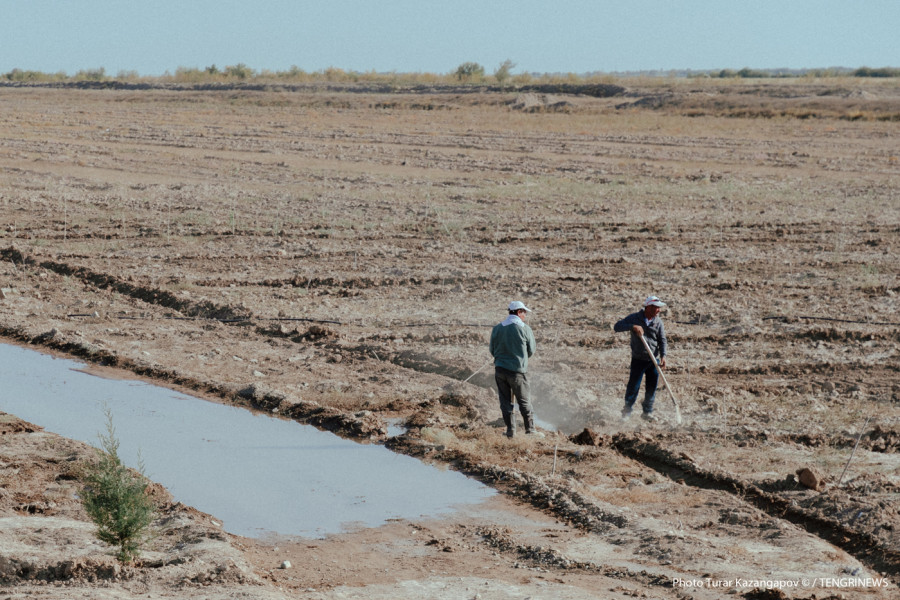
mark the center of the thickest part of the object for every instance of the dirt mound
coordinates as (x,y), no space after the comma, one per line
(532,102)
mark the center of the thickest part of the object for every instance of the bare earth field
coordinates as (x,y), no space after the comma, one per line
(338,257)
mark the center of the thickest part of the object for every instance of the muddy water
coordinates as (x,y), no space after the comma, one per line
(258,474)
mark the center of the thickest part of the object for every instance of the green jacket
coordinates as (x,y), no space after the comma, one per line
(512,343)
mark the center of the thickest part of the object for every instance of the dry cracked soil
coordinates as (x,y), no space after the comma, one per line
(337,256)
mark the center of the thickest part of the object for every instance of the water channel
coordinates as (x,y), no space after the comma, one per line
(258,474)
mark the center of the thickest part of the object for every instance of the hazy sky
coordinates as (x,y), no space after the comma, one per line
(545,36)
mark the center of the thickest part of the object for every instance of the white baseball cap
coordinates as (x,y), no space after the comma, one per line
(516,305)
(654,301)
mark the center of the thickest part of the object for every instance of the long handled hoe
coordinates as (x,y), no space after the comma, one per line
(665,381)
(477,371)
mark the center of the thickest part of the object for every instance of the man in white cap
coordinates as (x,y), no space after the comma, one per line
(512,344)
(644,323)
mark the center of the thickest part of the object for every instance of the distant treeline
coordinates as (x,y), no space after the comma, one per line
(834,72)
(468,72)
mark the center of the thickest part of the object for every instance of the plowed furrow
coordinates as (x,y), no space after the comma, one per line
(862,545)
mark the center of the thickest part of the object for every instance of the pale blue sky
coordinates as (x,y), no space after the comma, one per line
(543,36)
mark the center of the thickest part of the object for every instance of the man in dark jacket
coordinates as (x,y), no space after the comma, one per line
(644,323)
(512,344)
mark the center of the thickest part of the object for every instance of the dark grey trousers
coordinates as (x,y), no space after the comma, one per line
(509,384)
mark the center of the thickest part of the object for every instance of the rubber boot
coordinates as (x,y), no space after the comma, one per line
(529,427)
(510,421)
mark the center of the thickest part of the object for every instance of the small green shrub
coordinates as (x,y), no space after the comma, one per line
(91,75)
(504,72)
(469,71)
(192,75)
(116,498)
(20,75)
(748,73)
(238,71)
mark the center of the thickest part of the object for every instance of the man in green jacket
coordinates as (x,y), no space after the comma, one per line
(512,344)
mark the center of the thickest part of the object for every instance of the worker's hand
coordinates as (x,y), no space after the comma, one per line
(662,362)
(637,330)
